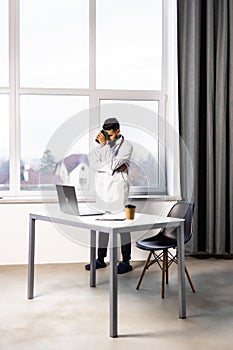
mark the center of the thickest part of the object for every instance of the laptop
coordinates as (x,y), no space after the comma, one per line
(69,204)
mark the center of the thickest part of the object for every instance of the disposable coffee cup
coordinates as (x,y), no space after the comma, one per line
(130,211)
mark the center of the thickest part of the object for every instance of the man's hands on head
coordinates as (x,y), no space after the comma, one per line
(101,138)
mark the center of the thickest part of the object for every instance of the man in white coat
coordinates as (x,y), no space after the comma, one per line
(112,160)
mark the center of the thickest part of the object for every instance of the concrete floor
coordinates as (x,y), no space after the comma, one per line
(67,314)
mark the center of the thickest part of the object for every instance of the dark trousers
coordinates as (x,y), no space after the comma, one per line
(125,245)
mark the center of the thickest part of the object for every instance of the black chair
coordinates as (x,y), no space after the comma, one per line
(164,240)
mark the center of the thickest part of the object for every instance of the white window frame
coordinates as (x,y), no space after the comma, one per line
(95,95)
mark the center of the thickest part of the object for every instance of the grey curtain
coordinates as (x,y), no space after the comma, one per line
(205,83)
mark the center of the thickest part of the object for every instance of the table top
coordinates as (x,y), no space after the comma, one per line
(141,221)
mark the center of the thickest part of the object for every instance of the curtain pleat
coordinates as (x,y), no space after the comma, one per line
(209,129)
(221,122)
(205,75)
(230,104)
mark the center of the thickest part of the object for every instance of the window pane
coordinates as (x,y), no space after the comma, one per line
(4,142)
(41,116)
(129,44)
(54,43)
(139,125)
(4,46)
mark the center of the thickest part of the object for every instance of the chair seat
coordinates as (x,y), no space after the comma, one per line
(155,243)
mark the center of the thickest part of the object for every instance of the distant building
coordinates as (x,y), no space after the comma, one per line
(74,170)
(5,171)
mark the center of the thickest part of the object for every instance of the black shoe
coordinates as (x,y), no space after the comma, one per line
(124,267)
(99,265)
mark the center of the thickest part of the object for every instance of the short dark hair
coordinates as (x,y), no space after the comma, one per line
(111,124)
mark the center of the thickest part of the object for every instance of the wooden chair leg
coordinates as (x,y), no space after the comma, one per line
(144,270)
(166,266)
(189,279)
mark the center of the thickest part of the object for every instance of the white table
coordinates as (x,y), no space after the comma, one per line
(140,223)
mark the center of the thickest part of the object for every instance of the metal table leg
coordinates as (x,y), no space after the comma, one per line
(113,285)
(31,256)
(181,271)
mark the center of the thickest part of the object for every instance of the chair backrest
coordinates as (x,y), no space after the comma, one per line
(182,210)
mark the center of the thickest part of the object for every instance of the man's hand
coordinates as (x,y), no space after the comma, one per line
(121,168)
(101,138)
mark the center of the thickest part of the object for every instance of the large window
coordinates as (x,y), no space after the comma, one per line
(40,116)
(4,43)
(4,142)
(140,124)
(129,44)
(86,58)
(54,43)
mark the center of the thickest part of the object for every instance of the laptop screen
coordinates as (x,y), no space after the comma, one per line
(67,199)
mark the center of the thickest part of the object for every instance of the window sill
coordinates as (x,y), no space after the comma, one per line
(155,197)
(38,200)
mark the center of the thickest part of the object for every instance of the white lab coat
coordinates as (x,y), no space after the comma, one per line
(111,187)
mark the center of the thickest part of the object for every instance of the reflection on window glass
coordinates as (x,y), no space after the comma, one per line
(4,44)
(139,125)
(41,116)
(129,44)
(54,43)
(4,143)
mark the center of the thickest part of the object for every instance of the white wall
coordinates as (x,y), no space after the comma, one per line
(51,245)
